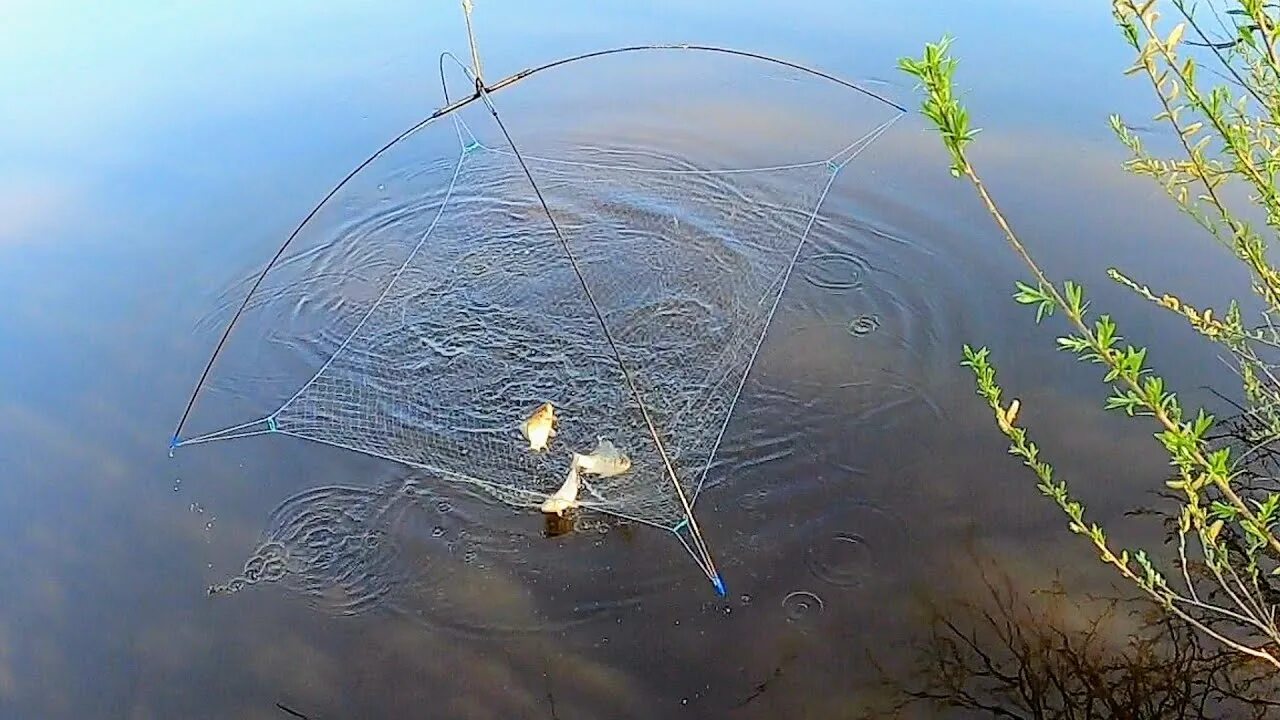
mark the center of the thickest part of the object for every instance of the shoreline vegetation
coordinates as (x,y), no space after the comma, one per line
(1215,70)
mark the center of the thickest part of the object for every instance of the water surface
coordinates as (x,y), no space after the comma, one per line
(155,159)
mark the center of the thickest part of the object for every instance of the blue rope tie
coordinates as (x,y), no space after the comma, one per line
(717,582)
(271,423)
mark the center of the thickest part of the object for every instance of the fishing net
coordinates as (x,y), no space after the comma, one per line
(622,265)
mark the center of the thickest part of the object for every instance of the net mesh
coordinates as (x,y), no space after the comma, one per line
(461,312)
(483,326)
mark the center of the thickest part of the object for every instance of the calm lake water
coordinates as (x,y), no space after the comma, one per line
(154,159)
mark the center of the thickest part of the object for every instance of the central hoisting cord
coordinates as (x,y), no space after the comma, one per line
(709,568)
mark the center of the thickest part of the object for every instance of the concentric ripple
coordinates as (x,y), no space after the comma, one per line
(802,607)
(871,543)
(837,270)
(488,319)
(332,545)
(447,562)
(864,325)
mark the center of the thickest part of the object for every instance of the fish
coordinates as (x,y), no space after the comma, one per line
(540,427)
(606,460)
(567,496)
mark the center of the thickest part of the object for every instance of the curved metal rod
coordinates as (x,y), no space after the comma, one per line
(451,107)
(703,48)
(204,375)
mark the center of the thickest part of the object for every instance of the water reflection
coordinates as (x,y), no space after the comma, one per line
(401,547)
(1011,651)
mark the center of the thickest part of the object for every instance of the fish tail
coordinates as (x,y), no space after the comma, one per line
(573,482)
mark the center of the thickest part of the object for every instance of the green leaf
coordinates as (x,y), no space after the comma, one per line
(1124,400)
(1075,296)
(1028,295)
(1202,424)
(1074,343)
(1219,509)
(1105,331)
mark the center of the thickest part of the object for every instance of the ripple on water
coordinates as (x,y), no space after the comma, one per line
(487,320)
(449,563)
(753,500)
(332,546)
(802,607)
(874,538)
(496,573)
(826,383)
(837,270)
(474,312)
(864,325)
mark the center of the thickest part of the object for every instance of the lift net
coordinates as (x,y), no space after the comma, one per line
(459,310)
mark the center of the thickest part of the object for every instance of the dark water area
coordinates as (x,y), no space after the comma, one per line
(154,159)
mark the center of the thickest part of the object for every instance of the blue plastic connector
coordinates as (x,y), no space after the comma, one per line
(173,443)
(271,423)
(718,581)
(471,146)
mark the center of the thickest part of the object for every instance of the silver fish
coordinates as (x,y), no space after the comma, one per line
(566,497)
(605,461)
